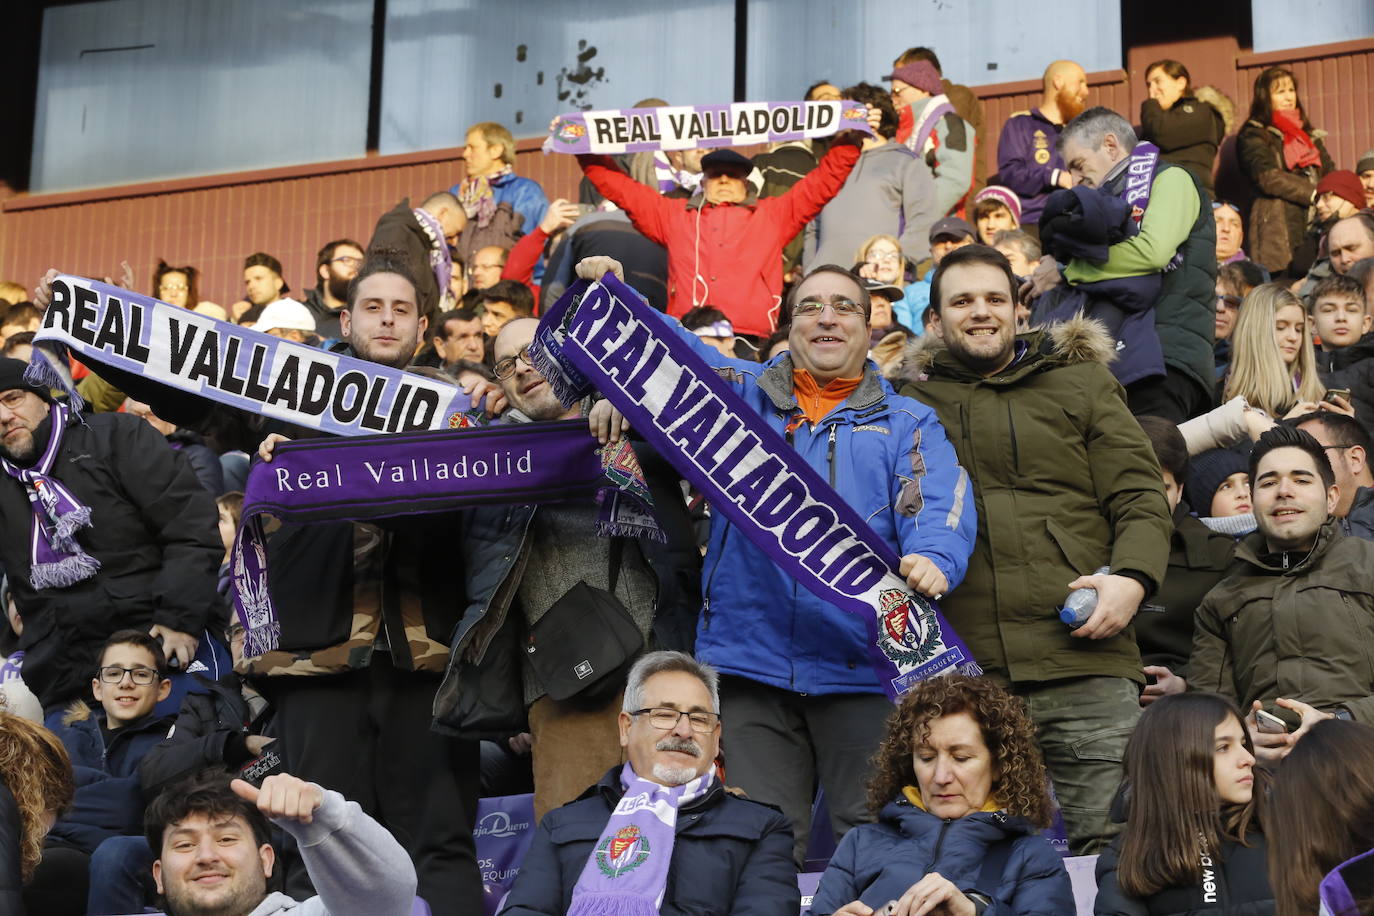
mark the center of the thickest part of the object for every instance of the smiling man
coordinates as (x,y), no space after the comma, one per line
(660,833)
(1065,483)
(802,701)
(1294,616)
(215,857)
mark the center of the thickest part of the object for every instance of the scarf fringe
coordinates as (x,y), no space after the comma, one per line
(607,904)
(568,386)
(67,525)
(261,640)
(43,372)
(65,572)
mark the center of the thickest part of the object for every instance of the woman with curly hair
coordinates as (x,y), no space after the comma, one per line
(959,790)
(1193,841)
(35,788)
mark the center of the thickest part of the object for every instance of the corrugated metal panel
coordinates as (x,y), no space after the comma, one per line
(1280,24)
(130,90)
(991,40)
(1337,93)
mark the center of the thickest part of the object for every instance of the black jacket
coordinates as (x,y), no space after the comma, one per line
(209,732)
(1352,367)
(326,318)
(11,839)
(154,531)
(399,229)
(1198,557)
(730,856)
(1188,134)
(1360,520)
(1240,886)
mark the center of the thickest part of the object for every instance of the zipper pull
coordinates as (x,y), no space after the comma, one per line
(706,613)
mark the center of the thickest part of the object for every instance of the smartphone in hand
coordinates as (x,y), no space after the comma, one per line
(1270,724)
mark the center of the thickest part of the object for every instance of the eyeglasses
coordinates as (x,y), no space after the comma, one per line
(1337,447)
(1231,302)
(173,287)
(664,719)
(505,368)
(811,308)
(890,257)
(11,399)
(347,259)
(113,674)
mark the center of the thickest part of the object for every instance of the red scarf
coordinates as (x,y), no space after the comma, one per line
(1298,149)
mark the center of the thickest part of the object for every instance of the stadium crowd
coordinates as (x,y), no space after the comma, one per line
(1044,364)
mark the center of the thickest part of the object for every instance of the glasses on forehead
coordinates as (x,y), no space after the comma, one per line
(810,308)
(113,674)
(505,368)
(665,719)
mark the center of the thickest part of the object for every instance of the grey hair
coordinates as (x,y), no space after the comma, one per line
(1089,129)
(1020,240)
(658,662)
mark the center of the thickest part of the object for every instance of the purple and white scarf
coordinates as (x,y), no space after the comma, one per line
(440,261)
(56,560)
(1140,178)
(627,872)
(937,107)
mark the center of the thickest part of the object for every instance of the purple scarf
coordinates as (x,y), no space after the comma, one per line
(602,335)
(937,107)
(440,261)
(56,559)
(627,872)
(1140,179)
(375,477)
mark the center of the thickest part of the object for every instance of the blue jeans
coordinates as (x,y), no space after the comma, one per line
(121,877)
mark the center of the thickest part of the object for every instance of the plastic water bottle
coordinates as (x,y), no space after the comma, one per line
(1081,603)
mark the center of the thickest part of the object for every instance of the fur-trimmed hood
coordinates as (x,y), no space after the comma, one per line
(1066,343)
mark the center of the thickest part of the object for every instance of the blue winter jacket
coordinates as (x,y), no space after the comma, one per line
(879,862)
(888,457)
(109,799)
(524,195)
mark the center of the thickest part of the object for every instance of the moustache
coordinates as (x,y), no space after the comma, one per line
(682,745)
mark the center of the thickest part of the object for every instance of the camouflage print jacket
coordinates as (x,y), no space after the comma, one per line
(342,589)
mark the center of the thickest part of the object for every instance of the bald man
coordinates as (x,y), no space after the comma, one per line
(1027,161)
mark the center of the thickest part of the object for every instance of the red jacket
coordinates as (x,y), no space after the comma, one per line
(725,255)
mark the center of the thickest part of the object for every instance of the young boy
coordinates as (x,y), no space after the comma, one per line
(106,745)
(1218,490)
(1341,320)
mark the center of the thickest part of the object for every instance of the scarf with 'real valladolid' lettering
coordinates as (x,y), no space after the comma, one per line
(602,336)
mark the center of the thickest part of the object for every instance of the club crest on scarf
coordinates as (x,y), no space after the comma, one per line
(909,634)
(625,851)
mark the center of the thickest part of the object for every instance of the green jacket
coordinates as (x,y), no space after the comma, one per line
(1065,482)
(1289,625)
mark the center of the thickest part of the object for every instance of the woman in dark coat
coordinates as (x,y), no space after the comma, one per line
(959,792)
(1284,158)
(1186,129)
(1193,842)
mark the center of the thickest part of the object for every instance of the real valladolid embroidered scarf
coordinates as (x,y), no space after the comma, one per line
(602,336)
(375,477)
(56,559)
(627,872)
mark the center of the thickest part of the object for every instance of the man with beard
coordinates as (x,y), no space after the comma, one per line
(1293,618)
(215,856)
(1027,160)
(144,551)
(523,560)
(660,833)
(366,614)
(336,264)
(1065,484)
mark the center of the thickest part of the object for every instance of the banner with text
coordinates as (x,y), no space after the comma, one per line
(332,392)
(602,336)
(633,130)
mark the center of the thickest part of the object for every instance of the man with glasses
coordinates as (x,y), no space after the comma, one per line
(336,264)
(661,833)
(522,560)
(802,702)
(934,131)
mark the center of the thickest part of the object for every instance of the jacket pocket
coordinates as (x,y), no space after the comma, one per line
(1107,745)
(1082,557)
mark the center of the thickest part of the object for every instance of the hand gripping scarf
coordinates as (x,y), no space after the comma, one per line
(603,336)
(627,872)
(56,559)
